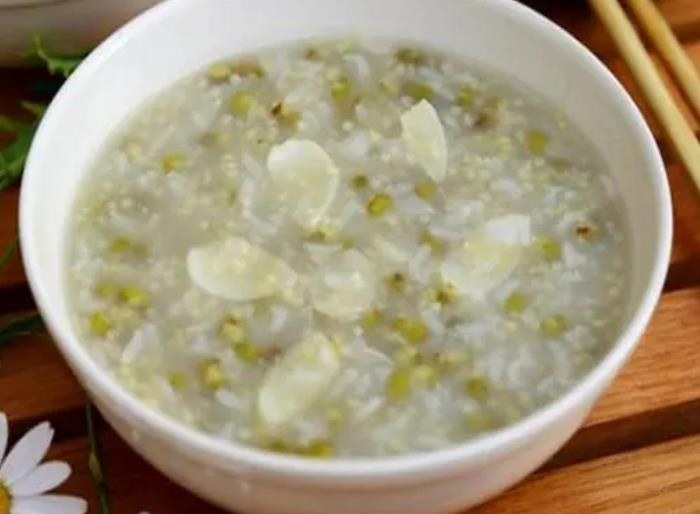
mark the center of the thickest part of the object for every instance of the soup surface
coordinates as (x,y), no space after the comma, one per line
(343,248)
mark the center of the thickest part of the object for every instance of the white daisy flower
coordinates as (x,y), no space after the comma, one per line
(23,480)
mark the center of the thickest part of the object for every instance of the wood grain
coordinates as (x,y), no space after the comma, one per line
(659,479)
(13,274)
(35,381)
(134,486)
(665,369)
(624,75)
(686,213)
(680,134)
(669,48)
(638,452)
(574,15)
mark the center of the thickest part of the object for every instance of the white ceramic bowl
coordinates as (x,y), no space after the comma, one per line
(178,37)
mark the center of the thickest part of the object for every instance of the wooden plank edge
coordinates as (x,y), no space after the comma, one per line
(628,434)
(661,478)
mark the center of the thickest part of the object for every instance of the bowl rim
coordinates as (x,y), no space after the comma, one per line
(225,453)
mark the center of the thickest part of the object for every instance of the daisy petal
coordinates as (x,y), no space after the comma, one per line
(49,504)
(3,434)
(44,478)
(27,453)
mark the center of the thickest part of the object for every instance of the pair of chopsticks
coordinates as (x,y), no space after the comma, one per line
(647,76)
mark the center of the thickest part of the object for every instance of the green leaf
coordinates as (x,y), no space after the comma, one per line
(36,108)
(14,155)
(55,63)
(94,465)
(10,125)
(47,87)
(18,326)
(7,254)
(15,126)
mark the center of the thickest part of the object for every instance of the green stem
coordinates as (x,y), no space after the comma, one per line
(18,326)
(94,462)
(7,254)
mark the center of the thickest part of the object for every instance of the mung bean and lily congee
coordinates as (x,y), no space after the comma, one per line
(345,249)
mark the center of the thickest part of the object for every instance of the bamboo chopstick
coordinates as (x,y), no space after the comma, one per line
(670,49)
(632,49)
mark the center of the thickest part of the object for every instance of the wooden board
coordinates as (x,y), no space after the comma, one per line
(638,452)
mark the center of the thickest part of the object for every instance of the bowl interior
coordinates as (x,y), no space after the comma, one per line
(181,36)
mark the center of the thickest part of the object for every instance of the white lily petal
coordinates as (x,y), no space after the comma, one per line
(345,286)
(303,178)
(238,270)
(43,478)
(480,265)
(4,433)
(297,380)
(49,504)
(27,453)
(424,136)
(512,229)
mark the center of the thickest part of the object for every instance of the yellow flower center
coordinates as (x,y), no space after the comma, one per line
(5,499)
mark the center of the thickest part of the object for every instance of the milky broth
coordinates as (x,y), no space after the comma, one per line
(340,248)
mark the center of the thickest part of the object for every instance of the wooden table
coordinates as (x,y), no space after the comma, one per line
(639,451)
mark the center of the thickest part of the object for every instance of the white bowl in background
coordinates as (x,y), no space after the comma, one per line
(180,36)
(68,26)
